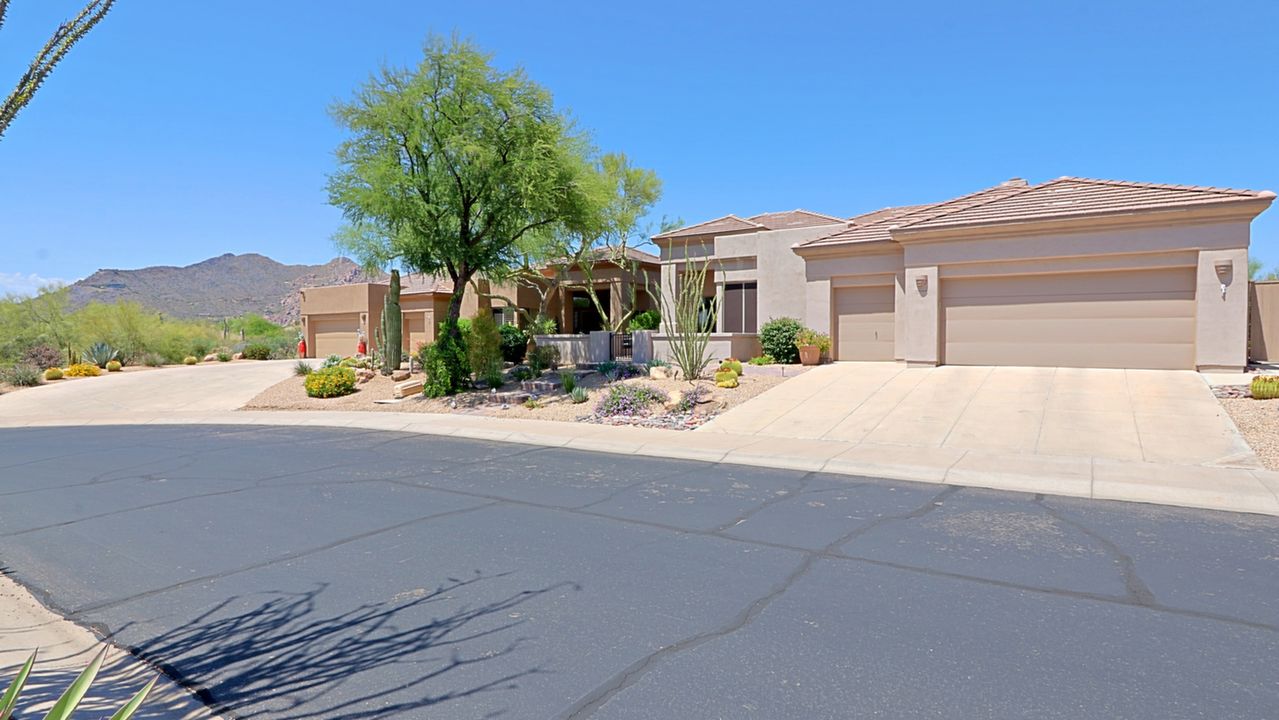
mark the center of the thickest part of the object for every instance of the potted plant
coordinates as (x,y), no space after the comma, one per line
(812,346)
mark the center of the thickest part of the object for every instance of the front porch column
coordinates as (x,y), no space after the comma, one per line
(666,298)
(719,304)
(923,294)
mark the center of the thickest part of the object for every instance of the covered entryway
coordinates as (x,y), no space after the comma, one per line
(1121,319)
(864,323)
(335,334)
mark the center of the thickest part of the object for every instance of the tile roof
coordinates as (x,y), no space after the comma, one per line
(421,283)
(1015,201)
(718,226)
(1073,196)
(788,219)
(873,226)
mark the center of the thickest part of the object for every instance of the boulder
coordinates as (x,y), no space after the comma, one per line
(674,398)
(658,372)
(211,357)
(407,388)
(238,356)
(400,375)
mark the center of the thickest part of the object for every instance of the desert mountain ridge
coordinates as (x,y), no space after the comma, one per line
(224,286)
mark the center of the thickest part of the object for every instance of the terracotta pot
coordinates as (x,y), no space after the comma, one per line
(809,354)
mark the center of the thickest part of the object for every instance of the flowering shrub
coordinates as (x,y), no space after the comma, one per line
(694,395)
(330,382)
(83,370)
(42,356)
(629,400)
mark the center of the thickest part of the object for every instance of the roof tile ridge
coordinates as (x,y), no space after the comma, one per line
(1164,186)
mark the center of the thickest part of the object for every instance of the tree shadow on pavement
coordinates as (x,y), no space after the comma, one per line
(283,658)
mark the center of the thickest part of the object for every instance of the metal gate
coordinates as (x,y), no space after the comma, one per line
(621,347)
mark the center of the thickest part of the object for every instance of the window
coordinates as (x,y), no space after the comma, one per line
(740,314)
(504,315)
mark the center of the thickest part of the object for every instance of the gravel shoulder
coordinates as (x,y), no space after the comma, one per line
(1258,420)
(291,395)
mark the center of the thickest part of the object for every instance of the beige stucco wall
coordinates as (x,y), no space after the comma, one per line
(1165,242)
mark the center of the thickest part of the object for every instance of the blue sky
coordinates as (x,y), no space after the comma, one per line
(181,130)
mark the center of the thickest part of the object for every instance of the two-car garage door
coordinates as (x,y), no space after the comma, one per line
(1126,319)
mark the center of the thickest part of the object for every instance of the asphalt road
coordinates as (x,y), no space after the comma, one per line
(322,573)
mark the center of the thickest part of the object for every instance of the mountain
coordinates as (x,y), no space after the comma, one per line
(224,286)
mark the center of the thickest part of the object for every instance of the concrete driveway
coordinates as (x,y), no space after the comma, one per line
(1154,416)
(207,388)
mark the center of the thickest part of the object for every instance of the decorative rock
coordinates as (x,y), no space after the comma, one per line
(238,356)
(407,388)
(400,375)
(211,357)
(674,398)
(657,372)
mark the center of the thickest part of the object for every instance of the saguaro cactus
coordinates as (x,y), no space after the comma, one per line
(392,327)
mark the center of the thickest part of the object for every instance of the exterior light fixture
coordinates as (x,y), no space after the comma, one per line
(1224,269)
(921,282)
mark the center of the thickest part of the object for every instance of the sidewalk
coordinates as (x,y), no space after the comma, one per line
(1216,488)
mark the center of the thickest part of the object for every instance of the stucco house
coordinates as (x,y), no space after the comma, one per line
(335,316)
(1072,272)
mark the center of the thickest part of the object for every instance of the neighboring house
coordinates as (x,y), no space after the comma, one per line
(1072,272)
(335,317)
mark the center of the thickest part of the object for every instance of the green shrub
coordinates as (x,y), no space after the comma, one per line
(764,359)
(224,357)
(256,351)
(100,354)
(731,364)
(521,373)
(42,356)
(446,367)
(53,373)
(812,337)
(21,375)
(629,400)
(201,347)
(113,366)
(514,343)
(1265,387)
(484,345)
(579,395)
(568,380)
(777,337)
(153,360)
(331,361)
(302,368)
(189,360)
(83,370)
(330,382)
(532,404)
(542,358)
(647,320)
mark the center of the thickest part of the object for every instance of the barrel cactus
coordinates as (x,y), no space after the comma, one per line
(1265,387)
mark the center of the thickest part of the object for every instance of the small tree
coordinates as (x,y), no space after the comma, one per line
(690,333)
(64,38)
(484,348)
(449,167)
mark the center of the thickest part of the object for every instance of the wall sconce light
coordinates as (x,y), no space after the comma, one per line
(921,282)
(1224,270)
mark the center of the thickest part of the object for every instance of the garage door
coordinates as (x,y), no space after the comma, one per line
(335,334)
(864,323)
(1130,319)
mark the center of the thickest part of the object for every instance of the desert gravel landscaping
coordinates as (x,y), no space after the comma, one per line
(1258,420)
(290,395)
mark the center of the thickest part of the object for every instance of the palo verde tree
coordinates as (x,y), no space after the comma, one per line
(447,167)
(64,38)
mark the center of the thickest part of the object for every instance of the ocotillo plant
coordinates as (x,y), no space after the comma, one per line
(392,327)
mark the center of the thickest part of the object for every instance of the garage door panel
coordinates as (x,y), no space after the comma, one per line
(864,323)
(1135,319)
(335,334)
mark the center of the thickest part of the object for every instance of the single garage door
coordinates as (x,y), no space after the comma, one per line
(864,323)
(335,334)
(1129,319)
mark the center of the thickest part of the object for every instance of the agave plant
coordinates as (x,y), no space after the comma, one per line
(100,354)
(72,696)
